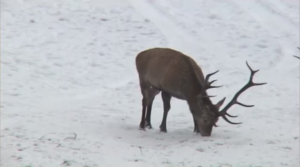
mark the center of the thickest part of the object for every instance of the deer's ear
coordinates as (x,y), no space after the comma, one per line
(219,104)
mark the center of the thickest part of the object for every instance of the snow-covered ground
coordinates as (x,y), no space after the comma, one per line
(70,94)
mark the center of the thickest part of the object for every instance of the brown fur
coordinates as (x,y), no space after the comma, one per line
(176,75)
(158,66)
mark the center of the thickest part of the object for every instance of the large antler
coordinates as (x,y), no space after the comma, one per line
(234,100)
(208,86)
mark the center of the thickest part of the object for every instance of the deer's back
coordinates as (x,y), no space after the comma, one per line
(169,70)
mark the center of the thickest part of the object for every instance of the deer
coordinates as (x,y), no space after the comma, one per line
(177,75)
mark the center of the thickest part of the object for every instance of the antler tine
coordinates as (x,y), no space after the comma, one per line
(250,82)
(232,116)
(234,100)
(227,120)
(206,96)
(209,83)
(296,57)
(209,75)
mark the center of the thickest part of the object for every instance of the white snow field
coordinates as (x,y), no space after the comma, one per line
(70,93)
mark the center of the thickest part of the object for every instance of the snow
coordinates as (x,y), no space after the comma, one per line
(70,94)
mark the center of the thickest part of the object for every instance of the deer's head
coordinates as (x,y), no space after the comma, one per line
(208,114)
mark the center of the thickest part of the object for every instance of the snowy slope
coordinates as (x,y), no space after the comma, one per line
(70,93)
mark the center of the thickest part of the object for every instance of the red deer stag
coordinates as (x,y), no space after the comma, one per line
(177,75)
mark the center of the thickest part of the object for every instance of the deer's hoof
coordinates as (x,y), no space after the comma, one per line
(196,131)
(142,128)
(163,130)
(149,126)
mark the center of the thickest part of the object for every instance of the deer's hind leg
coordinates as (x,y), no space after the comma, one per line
(149,94)
(166,97)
